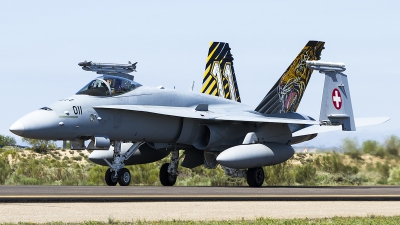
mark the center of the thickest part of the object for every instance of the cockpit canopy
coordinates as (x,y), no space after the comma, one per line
(108,86)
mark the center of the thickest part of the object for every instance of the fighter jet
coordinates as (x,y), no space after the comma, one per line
(126,123)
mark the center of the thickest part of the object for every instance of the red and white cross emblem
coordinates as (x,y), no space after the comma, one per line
(336,99)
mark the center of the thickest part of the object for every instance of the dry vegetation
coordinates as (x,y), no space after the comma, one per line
(369,164)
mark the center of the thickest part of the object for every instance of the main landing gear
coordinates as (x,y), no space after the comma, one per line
(117,173)
(255,177)
(169,171)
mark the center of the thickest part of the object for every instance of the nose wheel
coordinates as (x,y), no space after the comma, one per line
(124,177)
(117,173)
(111,179)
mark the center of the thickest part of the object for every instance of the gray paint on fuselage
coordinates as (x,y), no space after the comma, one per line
(125,125)
(153,127)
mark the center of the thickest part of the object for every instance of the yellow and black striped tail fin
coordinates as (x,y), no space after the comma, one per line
(219,78)
(286,94)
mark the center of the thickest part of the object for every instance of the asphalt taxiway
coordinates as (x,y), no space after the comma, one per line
(157,193)
(41,204)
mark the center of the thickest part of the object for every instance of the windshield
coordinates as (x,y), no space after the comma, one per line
(108,86)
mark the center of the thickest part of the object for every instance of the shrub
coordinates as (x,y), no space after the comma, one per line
(7,140)
(392,145)
(370,147)
(280,174)
(77,158)
(373,148)
(383,170)
(5,169)
(305,174)
(380,152)
(350,147)
(354,154)
(96,175)
(395,176)
(40,146)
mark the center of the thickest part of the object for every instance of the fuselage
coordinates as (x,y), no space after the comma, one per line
(76,117)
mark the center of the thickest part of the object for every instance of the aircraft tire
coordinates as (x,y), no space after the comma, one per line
(124,177)
(166,178)
(110,181)
(255,177)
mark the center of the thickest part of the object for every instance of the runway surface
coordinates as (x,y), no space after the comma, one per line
(216,210)
(40,204)
(157,194)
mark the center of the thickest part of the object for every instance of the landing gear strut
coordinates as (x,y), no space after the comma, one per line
(117,173)
(169,171)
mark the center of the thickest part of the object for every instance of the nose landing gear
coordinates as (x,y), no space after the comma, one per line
(111,178)
(117,173)
(124,177)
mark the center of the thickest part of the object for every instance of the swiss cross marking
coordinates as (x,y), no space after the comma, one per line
(336,99)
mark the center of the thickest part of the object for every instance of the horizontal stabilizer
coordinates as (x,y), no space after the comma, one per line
(359,122)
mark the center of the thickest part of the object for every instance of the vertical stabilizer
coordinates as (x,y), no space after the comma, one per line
(336,107)
(219,78)
(286,94)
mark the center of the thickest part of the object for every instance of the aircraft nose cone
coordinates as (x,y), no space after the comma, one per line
(17,128)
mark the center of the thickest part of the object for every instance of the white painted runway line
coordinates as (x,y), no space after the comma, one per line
(79,212)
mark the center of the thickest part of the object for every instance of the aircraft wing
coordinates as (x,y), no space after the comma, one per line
(189,112)
(359,122)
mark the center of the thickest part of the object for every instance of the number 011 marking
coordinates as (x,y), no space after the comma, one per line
(77,110)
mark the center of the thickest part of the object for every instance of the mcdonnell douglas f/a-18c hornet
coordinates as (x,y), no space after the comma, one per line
(127,123)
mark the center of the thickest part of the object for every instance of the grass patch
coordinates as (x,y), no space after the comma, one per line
(381,220)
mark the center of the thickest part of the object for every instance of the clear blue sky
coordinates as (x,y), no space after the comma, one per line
(42,42)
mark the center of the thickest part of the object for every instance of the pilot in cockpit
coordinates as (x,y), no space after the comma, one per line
(109,81)
(115,85)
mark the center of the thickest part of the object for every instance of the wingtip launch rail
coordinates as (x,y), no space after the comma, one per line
(121,70)
(326,66)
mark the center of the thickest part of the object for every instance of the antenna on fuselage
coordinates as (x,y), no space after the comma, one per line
(115,69)
(192,86)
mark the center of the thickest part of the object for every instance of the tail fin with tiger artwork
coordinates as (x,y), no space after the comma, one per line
(286,94)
